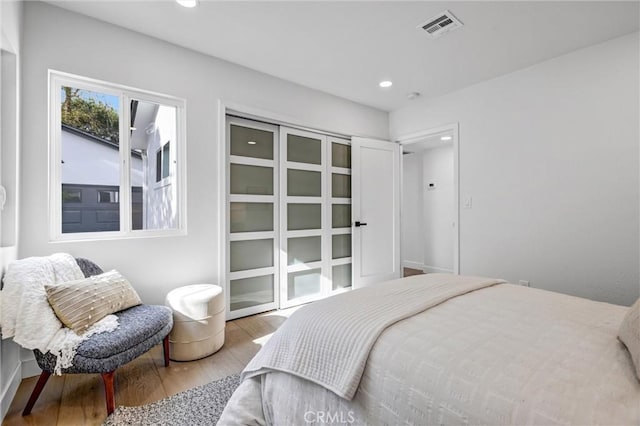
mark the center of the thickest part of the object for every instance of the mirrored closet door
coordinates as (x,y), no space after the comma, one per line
(289,210)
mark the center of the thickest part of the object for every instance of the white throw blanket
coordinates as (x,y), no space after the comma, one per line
(25,313)
(328,342)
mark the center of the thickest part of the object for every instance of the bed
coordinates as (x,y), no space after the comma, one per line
(486,352)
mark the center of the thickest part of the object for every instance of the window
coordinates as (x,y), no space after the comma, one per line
(163,162)
(108,196)
(105,181)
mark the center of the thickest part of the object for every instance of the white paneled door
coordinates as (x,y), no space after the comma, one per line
(376,211)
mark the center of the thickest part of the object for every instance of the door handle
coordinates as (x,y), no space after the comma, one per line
(358,224)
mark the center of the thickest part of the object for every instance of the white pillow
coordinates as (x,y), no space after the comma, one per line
(80,304)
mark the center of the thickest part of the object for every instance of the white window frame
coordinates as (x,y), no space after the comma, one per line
(57,79)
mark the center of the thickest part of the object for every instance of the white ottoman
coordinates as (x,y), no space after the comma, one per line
(198,321)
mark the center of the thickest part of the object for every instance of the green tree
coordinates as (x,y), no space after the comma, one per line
(89,115)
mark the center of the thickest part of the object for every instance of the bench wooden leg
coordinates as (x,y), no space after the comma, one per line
(165,346)
(44,376)
(109,391)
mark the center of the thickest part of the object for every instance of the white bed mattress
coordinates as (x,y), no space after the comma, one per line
(501,355)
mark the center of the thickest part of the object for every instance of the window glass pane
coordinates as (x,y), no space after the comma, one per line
(341,276)
(340,185)
(303,183)
(303,250)
(71,195)
(158,166)
(251,254)
(108,196)
(340,155)
(154,188)
(248,142)
(303,149)
(249,292)
(166,160)
(303,216)
(341,215)
(252,180)
(136,207)
(341,246)
(251,217)
(303,283)
(90,159)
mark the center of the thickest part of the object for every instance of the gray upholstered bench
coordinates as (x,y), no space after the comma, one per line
(140,328)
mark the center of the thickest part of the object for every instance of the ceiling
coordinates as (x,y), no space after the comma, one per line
(346,48)
(428,142)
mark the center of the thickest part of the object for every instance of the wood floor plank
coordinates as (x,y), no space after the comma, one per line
(138,382)
(256,326)
(241,344)
(45,412)
(221,364)
(83,400)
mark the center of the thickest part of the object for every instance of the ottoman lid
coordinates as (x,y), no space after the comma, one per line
(195,302)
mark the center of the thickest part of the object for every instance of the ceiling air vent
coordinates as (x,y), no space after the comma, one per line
(441,24)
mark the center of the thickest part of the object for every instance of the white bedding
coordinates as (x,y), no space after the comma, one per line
(500,355)
(328,342)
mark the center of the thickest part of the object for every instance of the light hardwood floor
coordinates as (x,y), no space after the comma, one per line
(407,272)
(78,399)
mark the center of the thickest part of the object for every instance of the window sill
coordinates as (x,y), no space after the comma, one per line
(110,236)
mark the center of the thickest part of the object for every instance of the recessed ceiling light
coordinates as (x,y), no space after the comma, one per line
(446,138)
(187,3)
(385,83)
(252,142)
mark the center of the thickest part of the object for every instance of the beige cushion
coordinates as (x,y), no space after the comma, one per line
(629,334)
(80,304)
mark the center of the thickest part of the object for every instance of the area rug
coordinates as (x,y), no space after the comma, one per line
(198,406)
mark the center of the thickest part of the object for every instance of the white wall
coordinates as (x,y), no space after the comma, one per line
(438,208)
(160,197)
(412,237)
(57,39)
(549,155)
(11,46)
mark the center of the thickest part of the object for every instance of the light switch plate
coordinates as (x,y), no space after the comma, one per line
(468,202)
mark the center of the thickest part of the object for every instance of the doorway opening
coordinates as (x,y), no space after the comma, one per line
(430,207)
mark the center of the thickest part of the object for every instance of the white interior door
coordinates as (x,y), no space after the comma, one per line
(376,211)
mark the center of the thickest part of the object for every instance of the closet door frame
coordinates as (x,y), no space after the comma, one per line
(245,236)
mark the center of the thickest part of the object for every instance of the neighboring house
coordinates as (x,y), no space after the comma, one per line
(91,175)
(90,183)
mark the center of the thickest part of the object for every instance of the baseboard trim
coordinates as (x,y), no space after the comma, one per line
(10,392)
(425,268)
(30,368)
(412,264)
(434,269)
